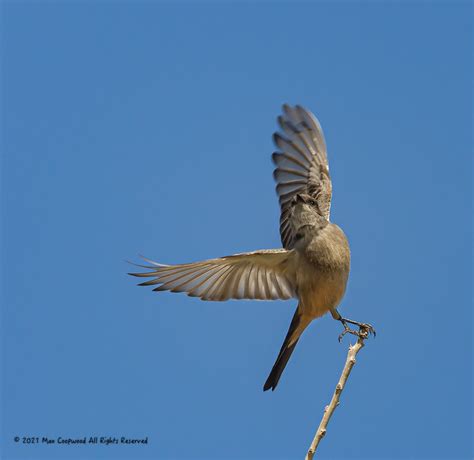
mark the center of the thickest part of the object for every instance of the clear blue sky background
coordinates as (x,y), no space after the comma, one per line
(146,128)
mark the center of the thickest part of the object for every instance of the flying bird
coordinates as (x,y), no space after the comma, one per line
(313,264)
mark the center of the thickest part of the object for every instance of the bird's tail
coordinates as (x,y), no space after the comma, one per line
(297,326)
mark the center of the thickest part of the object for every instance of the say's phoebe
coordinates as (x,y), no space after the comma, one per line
(313,264)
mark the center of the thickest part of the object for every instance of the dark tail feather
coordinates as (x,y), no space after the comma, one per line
(284,354)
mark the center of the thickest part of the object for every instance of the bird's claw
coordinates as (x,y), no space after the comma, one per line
(364,331)
(347,330)
(367,329)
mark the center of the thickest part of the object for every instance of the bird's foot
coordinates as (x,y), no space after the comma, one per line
(364,329)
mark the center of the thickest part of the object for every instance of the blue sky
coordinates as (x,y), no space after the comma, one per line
(146,128)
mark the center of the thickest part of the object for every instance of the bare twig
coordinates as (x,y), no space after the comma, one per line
(329,410)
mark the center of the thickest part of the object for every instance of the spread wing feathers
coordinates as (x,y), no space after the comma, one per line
(264,275)
(301,165)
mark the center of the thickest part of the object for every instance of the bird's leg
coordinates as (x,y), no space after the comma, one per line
(364,329)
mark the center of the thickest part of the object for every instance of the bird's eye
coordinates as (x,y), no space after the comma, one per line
(298,236)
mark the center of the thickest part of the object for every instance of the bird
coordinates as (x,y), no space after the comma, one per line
(314,261)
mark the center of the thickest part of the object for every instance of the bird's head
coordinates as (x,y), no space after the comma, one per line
(306,216)
(305,207)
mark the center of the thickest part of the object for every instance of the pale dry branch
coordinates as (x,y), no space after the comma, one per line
(329,410)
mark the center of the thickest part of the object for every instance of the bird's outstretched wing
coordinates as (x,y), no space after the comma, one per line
(264,275)
(301,166)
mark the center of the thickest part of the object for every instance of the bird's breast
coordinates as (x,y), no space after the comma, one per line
(319,292)
(323,271)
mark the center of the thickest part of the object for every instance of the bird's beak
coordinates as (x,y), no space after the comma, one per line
(300,198)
